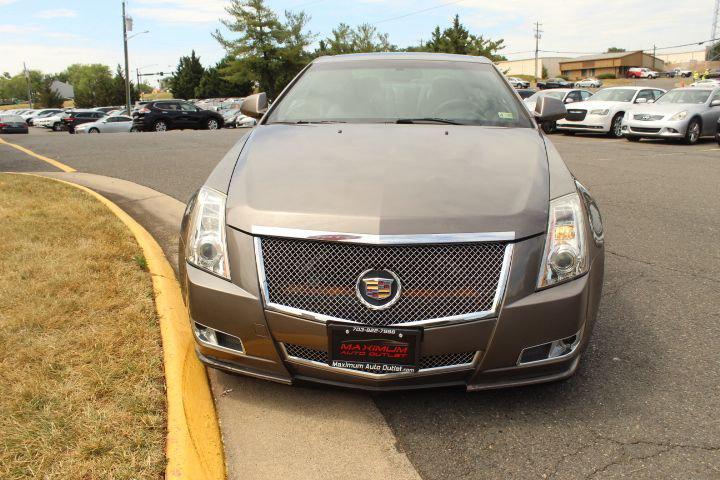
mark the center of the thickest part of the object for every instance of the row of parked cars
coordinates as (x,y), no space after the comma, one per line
(154,115)
(687,113)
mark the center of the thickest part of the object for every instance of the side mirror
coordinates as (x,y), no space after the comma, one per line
(569,100)
(641,100)
(715,103)
(651,100)
(255,105)
(549,109)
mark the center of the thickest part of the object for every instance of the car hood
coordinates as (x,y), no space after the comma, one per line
(597,105)
(391,179)
(668,108)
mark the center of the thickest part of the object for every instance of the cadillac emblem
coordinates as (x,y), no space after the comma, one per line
(378,289)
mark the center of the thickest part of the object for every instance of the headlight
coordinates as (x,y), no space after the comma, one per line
(206,246)
(565,254)
(599,112)
(679,115)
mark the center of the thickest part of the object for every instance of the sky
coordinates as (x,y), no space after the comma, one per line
(49,35)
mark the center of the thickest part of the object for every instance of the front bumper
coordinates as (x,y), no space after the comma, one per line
(526,318)
(655,129)
(591,123)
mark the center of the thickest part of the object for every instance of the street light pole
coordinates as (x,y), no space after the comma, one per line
(127,70)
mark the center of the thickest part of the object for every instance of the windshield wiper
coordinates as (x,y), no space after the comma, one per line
(428,120)
(306,122)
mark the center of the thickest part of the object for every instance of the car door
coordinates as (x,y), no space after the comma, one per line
(171,113)
(193,116)
(573,96)
(121,123)
(711,116)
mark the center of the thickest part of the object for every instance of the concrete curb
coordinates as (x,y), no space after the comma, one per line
(194,448)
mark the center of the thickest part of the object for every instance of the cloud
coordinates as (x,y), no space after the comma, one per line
(181,11)
(58,13)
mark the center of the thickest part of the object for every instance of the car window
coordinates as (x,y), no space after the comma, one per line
(83,115)
(11,118)
(382,91)
(658,93)
(186,107)
(575,95)
(167,106)
(685,95)
(123,118)
(585,95)
(715,96)
(614,95)
(646,94)
(98,115)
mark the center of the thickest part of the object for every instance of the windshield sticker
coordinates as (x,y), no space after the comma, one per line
(506,116)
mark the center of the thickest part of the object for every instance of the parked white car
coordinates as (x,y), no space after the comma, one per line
(642,72)
(707,83)
(604,111)
(109,124)
(45,112)
(589,83)
(53,121)
(682,113)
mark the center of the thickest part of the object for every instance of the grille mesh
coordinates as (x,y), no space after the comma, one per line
(437,280)
(575,115)
(641,116)
(426,361)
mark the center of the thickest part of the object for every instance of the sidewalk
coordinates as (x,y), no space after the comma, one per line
(269,430)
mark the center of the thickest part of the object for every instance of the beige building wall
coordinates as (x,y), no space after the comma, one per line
(683,57)
(527,66)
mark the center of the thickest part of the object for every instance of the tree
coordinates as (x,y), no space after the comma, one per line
(47,96)
(713,53)
(457,39)
(93,85)
(615,50)
(266,50)
(15,87)
(187,76)
(213,84)
(365,38)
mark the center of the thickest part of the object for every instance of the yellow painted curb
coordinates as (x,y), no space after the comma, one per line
(51,161)
(194,448)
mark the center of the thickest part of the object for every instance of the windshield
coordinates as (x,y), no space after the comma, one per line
(685,96)
(613,95)
(554,94)
(382,91)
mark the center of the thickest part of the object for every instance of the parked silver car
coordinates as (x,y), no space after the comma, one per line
(683,113)
(589,83)
(114,124)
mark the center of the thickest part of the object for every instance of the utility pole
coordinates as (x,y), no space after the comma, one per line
(654,49)
(538,35)
(125,45)
(27,81)
(716,19)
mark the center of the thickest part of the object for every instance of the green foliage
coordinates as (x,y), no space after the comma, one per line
(266,50)
(47,97)
(363,39)
(544,72)
(615,50)
(92,83)
(14,88)
(457,39)
(606,76)
(213,84)
(713,53)
(187,76)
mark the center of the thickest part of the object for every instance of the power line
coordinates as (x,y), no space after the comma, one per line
(416,12)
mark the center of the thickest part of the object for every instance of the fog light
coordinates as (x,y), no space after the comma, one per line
(205,334)
(550,350)
(218,339)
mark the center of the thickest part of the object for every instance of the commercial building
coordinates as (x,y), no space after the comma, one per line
(609,63)
(527,66)
(64,90)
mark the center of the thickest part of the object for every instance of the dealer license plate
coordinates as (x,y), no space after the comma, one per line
(374,349)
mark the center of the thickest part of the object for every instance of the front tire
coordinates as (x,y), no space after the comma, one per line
(212,124)
(616,126)
(548,127)
(93,130)
(56,127)
(692,134)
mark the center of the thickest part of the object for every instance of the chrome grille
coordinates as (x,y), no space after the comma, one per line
(438,281)
(426,361)
(646,117)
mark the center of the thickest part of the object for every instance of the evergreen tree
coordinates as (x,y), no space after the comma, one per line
(213,84)
(457,39)
(187,77)
(365,38)
(47,97)
(266,50)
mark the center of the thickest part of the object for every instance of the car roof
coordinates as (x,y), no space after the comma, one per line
(447,57)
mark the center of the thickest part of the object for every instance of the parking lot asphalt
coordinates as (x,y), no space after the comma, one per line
(645,401)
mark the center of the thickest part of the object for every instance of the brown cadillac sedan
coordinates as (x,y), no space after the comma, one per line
(394,221)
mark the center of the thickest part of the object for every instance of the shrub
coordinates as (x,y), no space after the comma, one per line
(606,76)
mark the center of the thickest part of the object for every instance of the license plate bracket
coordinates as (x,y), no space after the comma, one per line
(374,349)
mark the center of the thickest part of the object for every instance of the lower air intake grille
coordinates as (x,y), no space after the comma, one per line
(426,361)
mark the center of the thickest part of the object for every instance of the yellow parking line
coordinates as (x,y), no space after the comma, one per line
(51,161)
